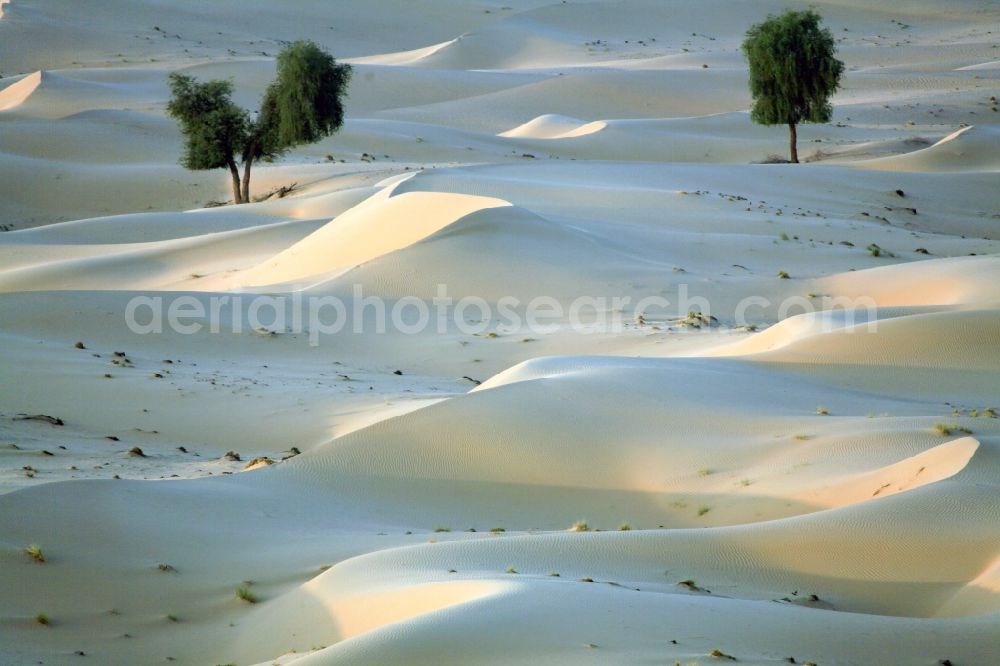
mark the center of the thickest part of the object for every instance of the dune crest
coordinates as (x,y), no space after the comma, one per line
(380,224)
(930,466)
(949,281)
(973,148)
(15,94)
(402,57)
(666,398)
(554,126)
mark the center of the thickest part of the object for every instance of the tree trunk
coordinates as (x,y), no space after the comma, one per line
(246,179)
(235,173)
(793,143)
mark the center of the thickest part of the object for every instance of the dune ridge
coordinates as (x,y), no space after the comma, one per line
(375,227)
(755,416)
(16,93)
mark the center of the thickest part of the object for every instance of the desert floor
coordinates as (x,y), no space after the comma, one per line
(807,482)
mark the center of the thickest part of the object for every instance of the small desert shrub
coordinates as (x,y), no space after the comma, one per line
(259,461)
(579,526)
(442,529)
(703,509)
(877,251)
(624,527)
(945,429)
(818,156)
(511,570)
(173,618)
(34,551)
(783,275)
(497,530)
(704,471)
(43,619)
(243,593)
(719,654)
(822,411)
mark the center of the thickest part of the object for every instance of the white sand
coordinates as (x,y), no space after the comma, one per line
(789,491)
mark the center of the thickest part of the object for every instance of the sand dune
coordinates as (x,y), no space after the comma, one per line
(551,126)
(404,57)
(379,225)
(968,149)
(15,94)
(756,418)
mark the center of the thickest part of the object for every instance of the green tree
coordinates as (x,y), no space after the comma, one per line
(793,71)
(302,105)
(214,128)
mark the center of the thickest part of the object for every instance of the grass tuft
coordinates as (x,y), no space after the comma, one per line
(945,429)
(34,551)
(719,654)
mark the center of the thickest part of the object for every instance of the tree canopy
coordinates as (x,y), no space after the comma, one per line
(302,105)
(793,70)
(306,94)
(214,128)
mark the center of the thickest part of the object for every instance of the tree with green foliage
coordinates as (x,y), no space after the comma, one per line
(793,71)
(302,105)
